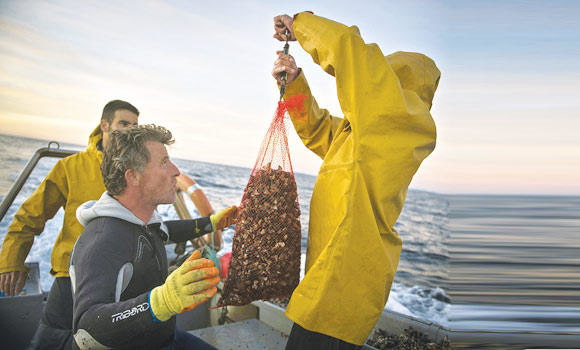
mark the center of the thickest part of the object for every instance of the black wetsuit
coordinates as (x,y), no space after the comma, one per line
(54,330)
(115,265)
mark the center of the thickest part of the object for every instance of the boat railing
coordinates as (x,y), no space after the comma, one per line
(52,150)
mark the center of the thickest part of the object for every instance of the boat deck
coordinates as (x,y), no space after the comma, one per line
(248,334)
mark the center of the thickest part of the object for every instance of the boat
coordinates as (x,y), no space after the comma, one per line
(259,325)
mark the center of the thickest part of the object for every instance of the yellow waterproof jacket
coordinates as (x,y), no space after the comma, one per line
(369,158)
(73,181)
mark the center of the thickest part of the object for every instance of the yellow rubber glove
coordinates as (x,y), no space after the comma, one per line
(190,285)
(224,218)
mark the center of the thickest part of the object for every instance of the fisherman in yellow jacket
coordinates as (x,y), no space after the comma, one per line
(369,158)
(73,181)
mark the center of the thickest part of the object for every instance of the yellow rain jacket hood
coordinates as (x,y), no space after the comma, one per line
(369,158)
(73,180)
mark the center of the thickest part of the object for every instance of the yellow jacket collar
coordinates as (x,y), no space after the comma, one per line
(94,139)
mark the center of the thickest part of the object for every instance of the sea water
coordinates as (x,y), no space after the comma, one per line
(468,262)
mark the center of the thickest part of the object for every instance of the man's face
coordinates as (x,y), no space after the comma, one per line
(122,119)
(157,183)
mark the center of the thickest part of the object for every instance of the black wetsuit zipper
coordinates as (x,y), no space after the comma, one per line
(158,254)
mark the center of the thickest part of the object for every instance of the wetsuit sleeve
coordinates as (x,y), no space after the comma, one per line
(184,230)
(30,219)
(97,319)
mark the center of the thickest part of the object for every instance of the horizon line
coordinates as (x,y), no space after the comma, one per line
(464,194)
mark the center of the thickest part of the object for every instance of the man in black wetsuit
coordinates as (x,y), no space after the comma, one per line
(122,295)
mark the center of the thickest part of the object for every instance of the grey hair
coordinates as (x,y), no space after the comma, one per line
(127,150)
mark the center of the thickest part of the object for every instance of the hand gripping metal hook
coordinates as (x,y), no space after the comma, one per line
(284,74)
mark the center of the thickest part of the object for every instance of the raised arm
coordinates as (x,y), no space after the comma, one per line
(316,127)
(369,89)
(386,101)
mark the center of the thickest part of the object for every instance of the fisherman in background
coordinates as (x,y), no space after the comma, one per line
(73,181)
(369,158)
(122,295)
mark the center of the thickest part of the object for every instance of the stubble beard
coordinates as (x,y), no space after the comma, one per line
(166,199)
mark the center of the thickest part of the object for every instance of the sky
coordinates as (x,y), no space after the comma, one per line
(506,109)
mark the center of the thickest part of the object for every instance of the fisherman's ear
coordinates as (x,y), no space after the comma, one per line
(104,126)
(132,178)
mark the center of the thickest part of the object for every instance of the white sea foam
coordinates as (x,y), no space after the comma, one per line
(424,303)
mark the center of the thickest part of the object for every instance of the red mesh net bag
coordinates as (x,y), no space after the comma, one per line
(265,260)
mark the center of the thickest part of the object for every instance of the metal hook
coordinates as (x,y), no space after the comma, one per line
(54,142)
(284,74)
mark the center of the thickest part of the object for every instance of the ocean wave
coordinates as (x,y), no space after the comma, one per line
(429,304)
